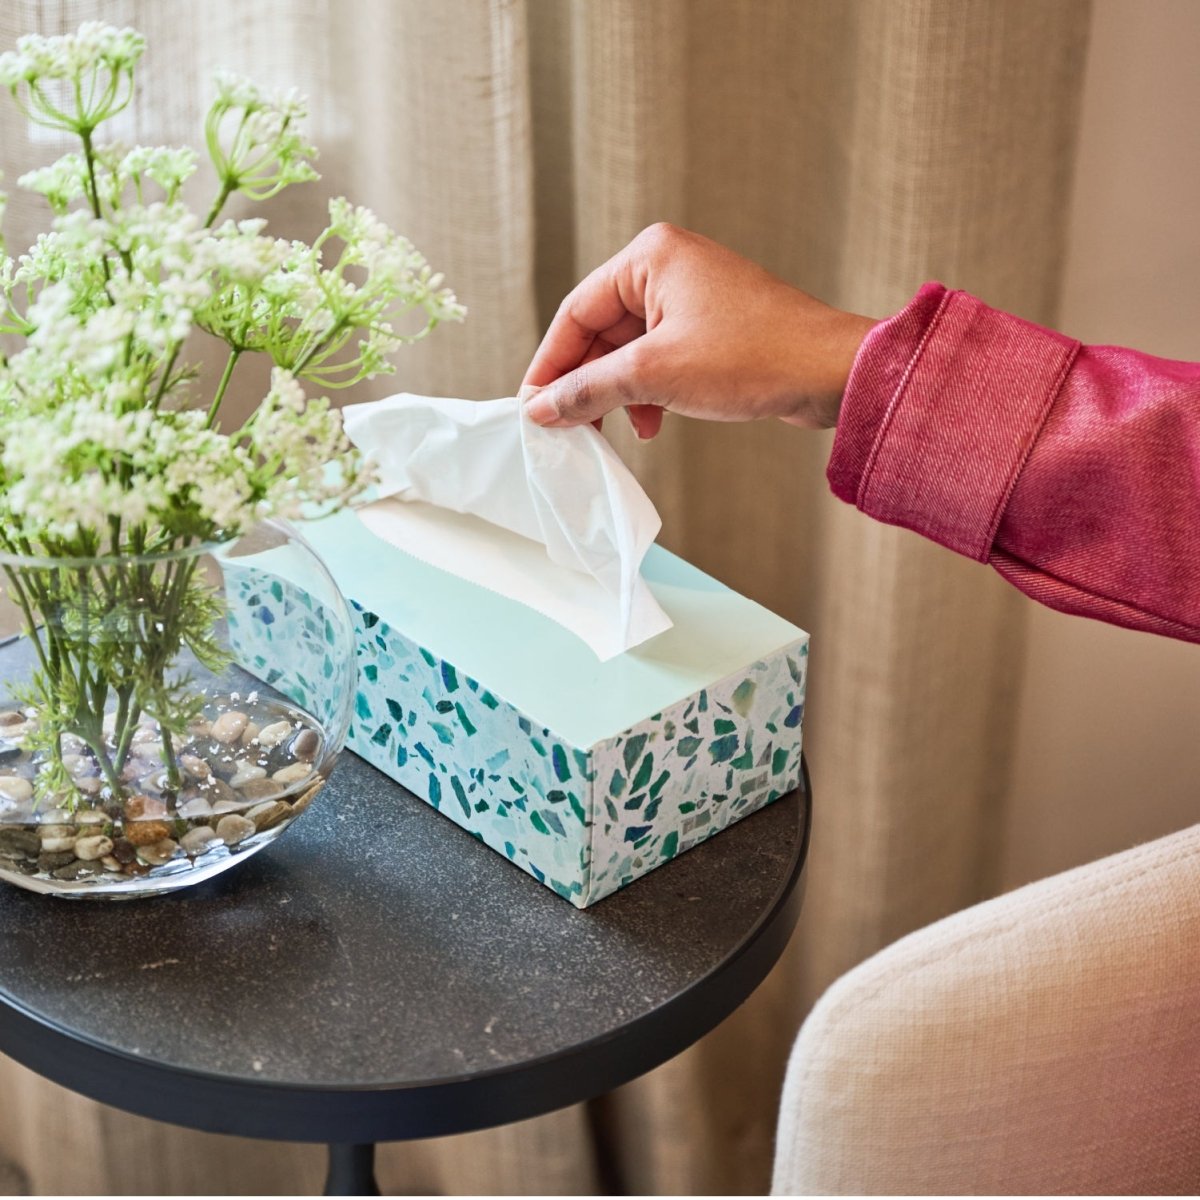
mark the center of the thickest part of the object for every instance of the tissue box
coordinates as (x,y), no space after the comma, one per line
(584,774)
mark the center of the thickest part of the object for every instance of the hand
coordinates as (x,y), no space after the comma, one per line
(678,323)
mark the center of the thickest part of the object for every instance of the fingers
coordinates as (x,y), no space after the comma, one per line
(597,387)
(646,420)
(598,349)
(606,305)
(585,365)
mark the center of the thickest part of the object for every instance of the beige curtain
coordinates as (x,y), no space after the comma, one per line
(855,148)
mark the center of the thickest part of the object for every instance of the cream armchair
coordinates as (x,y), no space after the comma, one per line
(1047,1041)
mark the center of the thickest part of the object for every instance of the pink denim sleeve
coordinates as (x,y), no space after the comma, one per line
(1074,470)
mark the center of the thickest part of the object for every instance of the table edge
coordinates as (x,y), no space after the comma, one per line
(324,1112)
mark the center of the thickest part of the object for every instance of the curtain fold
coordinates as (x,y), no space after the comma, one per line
(856,149)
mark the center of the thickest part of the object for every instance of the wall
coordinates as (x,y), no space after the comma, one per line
(1108,741)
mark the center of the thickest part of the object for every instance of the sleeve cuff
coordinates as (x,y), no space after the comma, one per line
(943,405)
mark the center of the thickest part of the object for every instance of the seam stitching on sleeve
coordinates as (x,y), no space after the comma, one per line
(1026,450)
(1003,556)
(894,403)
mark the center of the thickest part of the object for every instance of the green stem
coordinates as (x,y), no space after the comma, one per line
(58,653)
(317,347)
(122,731)
(84,640)
(133,717)
(111,773)
(227,186)
(166,377)
(216,404)
(93,190)
(133,589)
(30,622)
(169,758)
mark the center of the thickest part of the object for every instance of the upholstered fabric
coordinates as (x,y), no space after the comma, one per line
(1047,1041)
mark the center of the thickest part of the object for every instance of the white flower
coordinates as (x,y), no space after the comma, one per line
(65,56)
(101,436)
(115,167)
(307,435)
(238,252)
(254,139)
(235,91)
(61,182)
(97,62)
(71,469)
(168,166)
(110,292)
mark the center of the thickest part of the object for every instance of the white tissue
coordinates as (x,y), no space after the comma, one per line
(548,517)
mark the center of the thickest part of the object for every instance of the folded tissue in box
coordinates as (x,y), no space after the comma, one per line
(530,663)
(564,526)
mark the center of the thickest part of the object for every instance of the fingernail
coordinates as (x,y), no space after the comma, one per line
(540,407)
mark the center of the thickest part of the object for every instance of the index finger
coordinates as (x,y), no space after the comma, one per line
(607,304)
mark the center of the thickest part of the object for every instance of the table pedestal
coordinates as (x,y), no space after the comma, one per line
(351,1170)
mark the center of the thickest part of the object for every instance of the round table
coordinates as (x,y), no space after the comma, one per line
(378,974)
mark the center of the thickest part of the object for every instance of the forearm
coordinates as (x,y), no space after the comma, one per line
(1074,471)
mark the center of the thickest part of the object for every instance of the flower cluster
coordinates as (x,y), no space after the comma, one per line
(278,298)
(75,81)
(91,47)
(93,465)
(104,435)
(110,450)
(115,168)
(254,139)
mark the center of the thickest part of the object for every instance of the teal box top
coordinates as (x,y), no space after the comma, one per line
(586,774)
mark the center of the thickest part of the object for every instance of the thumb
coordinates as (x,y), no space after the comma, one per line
(586,393)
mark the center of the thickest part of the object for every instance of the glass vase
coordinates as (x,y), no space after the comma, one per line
(141,749)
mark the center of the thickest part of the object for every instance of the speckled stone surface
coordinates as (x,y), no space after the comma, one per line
(377,945)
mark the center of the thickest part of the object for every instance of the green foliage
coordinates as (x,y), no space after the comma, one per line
(110,452)
(105,441)
(114,628)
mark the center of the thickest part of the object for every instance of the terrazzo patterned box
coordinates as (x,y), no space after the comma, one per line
(584,774)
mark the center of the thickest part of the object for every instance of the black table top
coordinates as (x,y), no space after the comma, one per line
(379,974)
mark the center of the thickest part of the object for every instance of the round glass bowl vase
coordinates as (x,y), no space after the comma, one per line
(165,715)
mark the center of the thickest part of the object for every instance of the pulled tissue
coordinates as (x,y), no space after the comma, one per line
(549,517)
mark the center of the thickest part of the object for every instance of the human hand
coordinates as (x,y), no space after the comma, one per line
(676,322)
